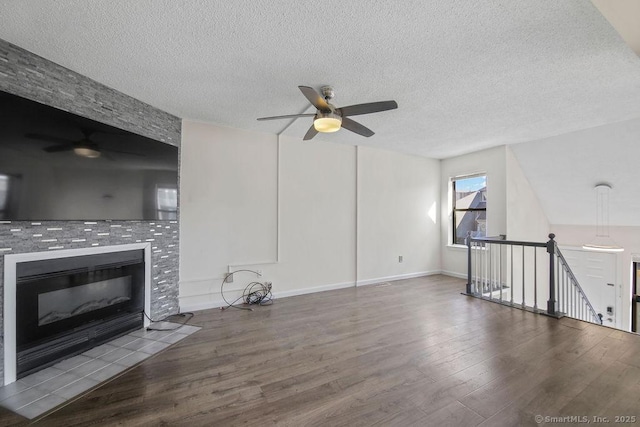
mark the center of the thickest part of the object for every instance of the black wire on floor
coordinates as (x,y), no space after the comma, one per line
(254,293)
(258,293)
(186,317)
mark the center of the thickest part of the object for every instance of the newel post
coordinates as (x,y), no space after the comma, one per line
(468,242)
(551,249)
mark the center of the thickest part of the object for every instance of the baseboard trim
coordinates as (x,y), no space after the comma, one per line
(397,277)
(217,303)
(304,291)
(454,274)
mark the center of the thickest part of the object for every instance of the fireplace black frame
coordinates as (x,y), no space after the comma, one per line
(39,345)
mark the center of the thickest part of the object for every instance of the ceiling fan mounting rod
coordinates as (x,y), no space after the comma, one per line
(327,92)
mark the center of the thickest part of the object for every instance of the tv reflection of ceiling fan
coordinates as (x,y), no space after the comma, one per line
(84,147)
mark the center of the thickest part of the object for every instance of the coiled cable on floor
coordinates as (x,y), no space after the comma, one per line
(254,293)
(258,293)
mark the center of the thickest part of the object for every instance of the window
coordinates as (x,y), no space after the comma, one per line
(469,207)
(167,203)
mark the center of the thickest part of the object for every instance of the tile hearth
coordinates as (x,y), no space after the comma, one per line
(44,390)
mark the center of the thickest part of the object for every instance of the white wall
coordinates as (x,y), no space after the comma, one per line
(228,205)
(526,220)
(398,214)
(291,209)
(493,163)
(317,217)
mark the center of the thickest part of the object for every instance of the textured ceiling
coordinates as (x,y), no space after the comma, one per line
(466,75)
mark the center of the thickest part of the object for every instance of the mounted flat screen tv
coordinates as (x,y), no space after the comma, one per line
(55,165)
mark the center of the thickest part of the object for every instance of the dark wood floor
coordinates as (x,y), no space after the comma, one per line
(415,352)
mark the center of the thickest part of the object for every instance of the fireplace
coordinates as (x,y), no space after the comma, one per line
(67,302)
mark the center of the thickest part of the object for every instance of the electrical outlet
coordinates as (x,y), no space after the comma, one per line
(400,258)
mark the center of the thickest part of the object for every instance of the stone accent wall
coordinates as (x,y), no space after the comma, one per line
(25,74)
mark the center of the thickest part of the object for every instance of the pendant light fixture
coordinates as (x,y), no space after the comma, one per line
(602,242)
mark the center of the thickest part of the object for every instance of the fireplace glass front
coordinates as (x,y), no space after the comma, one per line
(66,306)
(68,302)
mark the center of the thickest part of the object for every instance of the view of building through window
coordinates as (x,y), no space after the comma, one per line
(469,207)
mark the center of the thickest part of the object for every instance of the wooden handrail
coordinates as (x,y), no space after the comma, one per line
(489,277)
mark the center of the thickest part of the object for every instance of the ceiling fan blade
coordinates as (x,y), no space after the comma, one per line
(58,148)
(310,133)
(314,98)
(371,107)
(356,127)
(48,138)
(288,116)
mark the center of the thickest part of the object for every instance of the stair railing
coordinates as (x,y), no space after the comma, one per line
(510,272)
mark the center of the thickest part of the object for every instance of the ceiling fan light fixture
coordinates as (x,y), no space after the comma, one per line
(86,152)
(327,122)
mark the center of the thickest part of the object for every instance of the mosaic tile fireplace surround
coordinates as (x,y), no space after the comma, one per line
(25,74)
